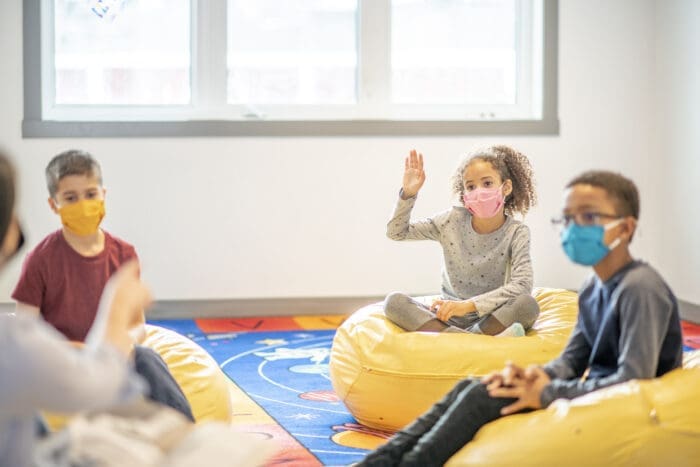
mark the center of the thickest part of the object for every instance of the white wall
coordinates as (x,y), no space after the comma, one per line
(282,217)
(677,144)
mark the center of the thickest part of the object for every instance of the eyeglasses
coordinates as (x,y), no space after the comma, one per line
(582,218)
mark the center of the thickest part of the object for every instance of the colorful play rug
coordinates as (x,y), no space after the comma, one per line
(691,335)
(281,388)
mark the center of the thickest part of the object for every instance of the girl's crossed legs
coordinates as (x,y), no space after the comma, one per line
(413,315)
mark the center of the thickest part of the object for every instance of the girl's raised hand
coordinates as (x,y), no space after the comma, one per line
(413,175)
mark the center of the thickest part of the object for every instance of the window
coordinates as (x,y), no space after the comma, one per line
(281,67)
(292,52)
(462,57)
(109,61)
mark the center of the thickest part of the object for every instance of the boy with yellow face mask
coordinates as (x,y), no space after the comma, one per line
(63,277)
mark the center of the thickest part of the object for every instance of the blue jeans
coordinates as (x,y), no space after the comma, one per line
(443,430)
(163,387)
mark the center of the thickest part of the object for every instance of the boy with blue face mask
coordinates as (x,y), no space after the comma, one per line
(628,328)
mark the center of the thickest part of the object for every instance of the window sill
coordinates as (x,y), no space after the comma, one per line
(224,128)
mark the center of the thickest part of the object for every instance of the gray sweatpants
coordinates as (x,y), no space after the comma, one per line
(411,314)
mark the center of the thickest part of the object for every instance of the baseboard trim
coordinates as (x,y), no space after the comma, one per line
(184,309)
(188,309)
(245,307)
(689,311)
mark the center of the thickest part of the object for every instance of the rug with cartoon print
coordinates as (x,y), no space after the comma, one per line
(280,385)
(281,388)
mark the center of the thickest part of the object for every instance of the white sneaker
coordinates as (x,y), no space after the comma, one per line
(514,330)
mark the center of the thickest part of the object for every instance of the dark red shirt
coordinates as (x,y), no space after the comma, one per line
(67,286)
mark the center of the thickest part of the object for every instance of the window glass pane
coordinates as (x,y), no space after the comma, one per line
(453,51)
(122,52)
(292,52)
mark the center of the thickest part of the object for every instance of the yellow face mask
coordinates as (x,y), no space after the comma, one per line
(83,217)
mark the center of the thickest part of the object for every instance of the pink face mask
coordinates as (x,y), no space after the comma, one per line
(484,202)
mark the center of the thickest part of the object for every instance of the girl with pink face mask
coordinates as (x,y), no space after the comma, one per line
(487,271)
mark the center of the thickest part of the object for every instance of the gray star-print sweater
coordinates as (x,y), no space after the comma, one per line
(489,269)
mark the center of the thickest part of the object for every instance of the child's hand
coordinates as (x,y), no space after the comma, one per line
(504,378)
(123,301)
(413,175)
(130,297)
(446,309)
(526,390)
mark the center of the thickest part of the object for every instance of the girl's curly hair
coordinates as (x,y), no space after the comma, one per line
(511,165)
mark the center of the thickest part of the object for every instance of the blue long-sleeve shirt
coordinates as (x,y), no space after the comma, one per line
(628,328)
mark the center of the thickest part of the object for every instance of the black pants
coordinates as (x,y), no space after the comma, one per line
(443,430)
(163,387)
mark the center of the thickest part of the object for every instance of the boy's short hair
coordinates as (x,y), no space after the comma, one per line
(621,190)
(71,162)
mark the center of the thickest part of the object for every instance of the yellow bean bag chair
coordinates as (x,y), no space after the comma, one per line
(202,381)
(387,377)
(204,384)
(639,423)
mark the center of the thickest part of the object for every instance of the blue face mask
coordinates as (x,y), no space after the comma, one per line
(583,244)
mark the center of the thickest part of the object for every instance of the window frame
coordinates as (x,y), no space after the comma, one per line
(211,72)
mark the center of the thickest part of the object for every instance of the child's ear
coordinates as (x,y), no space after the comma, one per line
(507,187)
(630,227)
(52,205)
